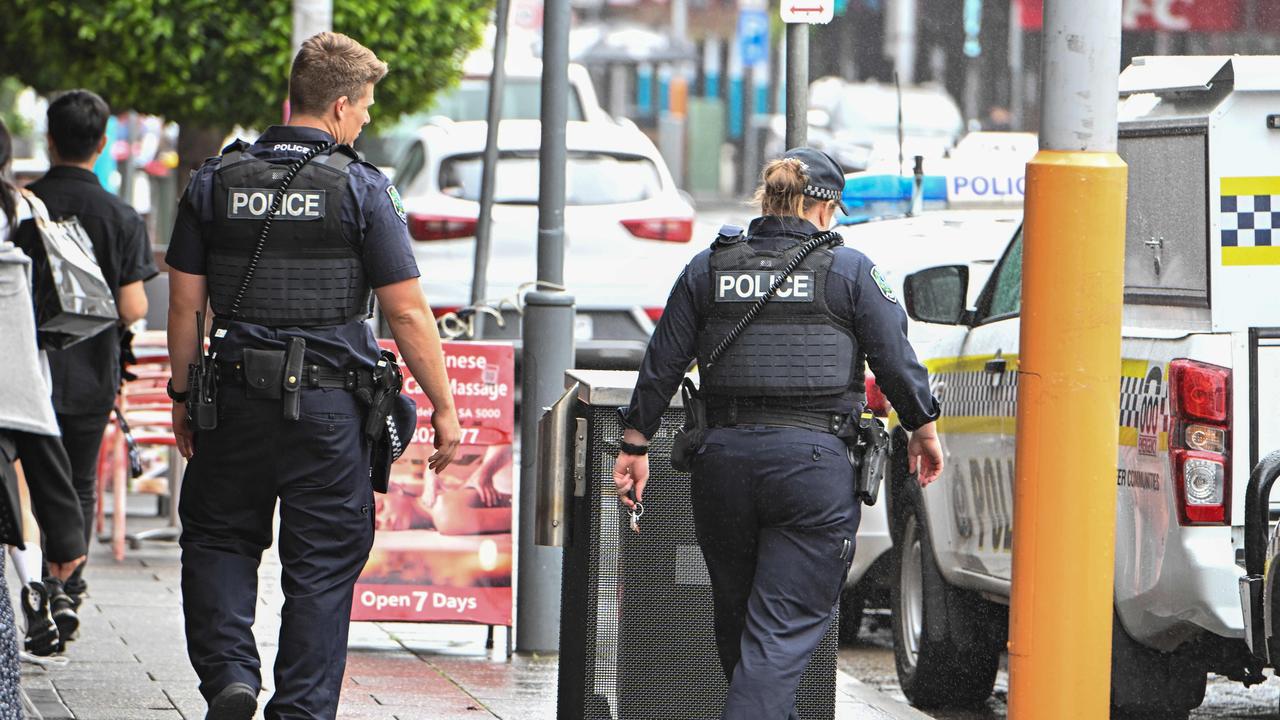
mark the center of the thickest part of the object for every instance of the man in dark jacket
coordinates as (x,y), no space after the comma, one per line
(86,376)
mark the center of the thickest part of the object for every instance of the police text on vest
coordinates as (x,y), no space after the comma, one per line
(255,203)
(750,286)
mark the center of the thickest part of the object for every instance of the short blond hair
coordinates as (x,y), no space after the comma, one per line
(328,66)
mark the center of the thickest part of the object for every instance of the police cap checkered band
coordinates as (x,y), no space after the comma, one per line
(825,176)
(821,193)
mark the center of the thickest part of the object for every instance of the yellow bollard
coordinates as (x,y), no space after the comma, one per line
(1067,442)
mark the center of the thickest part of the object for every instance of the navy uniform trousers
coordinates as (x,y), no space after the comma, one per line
(318,467)
(774,513)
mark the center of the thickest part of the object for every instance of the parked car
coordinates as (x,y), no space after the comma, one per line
(627,229)
(899,247)
(468,101)
(1194,365)
(857,123)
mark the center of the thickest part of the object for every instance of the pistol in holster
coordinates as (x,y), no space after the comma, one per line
(381,398)
(868,448)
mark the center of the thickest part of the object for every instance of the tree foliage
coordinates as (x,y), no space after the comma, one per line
(217,63)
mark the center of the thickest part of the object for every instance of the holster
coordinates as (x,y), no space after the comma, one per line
(202,384)
(868,450)
(381,400)
(689,440)
(291,383)
(202,403)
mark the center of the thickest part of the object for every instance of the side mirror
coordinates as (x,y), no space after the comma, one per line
(820,119)
(937,295)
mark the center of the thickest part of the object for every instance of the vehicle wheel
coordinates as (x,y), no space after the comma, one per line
(1146,684)
(946,641)
(852,602)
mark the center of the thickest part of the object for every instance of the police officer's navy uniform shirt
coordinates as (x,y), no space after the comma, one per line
(86,376)
(879,325)
(384,248)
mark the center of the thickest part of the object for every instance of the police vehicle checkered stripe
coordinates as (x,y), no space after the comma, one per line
(971,394)
(1133,397)
(1250,220)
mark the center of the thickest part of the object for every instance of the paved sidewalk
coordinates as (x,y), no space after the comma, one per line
(131,664)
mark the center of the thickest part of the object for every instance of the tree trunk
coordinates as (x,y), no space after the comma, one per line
(196,143)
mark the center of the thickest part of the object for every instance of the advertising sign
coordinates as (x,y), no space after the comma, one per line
(1162,15)
(443,549)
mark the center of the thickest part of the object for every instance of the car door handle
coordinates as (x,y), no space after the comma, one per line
(996,366)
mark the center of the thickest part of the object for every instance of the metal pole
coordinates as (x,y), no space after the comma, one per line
(1017,67)
(1069,377)
(547,334)
(797,85)
(484,228)
(900,38)
(310,17)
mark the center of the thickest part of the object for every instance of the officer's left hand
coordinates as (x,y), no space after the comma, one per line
(182,431)
(924,454)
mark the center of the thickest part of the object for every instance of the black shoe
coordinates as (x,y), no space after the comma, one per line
(63,612)
(42,634)
(237,701)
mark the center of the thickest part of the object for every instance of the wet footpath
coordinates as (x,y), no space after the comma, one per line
(130,661)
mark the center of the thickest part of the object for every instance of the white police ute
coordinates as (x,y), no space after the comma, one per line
(1200,137)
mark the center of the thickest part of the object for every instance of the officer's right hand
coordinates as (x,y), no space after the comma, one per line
(447,437)
(182,431)
(924,454)
(630,472)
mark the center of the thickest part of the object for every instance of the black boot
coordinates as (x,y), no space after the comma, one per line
(63,612)
(237,701)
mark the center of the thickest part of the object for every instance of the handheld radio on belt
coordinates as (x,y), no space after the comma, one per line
(202,404)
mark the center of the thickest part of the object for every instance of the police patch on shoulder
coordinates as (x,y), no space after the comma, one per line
(883,284)
(397,203)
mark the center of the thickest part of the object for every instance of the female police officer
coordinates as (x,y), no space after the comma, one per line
(773,499)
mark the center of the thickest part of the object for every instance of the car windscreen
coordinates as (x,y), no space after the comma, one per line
(923,114)
(592,178)
(521,100)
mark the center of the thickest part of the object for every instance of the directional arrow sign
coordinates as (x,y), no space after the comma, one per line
(814,12)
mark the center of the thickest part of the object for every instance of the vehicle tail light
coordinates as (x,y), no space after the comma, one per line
(877,403)
(440,227)
(666,229)
(1199,441)
(1200,391)
(654,313)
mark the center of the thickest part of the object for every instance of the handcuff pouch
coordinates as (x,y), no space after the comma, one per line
(263,373)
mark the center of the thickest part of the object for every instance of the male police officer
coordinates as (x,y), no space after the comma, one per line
(773,489)
(289,369)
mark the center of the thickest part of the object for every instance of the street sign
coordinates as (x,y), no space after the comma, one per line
(813,12)
(753,36)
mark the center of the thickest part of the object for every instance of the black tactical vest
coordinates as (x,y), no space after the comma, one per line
(796,351)
(310,273)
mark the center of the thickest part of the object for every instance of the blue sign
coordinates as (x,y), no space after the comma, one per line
(753,36)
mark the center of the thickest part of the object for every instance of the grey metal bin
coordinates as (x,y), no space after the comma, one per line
(636,637)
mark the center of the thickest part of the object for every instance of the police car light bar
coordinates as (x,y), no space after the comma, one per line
(869,197)
(963,184)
